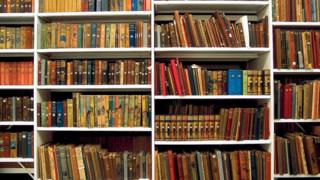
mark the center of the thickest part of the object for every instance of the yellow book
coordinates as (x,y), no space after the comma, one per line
(113,35)
(91,108)
(2,37)
(80,163)
(13,145)
(144,106)
(245,82)
(78,6)
(137,111)
(52,162)
(105,122)
(70,112)
(8,41)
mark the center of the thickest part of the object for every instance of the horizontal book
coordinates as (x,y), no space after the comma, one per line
(297,154)
(219,164)
(16,144)
(94,5)
(16,6)
(16,37)
(96,111)
(175,79)
(16,108)
(90,161)
(296,10)
(227,124)
(94,72)
(296,49)
(16,73)
(95,35)
(217,31)
(297,100)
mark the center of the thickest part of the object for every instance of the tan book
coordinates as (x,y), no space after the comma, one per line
(113,35)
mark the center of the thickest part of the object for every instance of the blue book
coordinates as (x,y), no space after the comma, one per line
(313,10)
(53,114)
(59,166)
(60,114)
(253,166)
(29,144)
(91,5)
(111,110)
(192,83)
(120,5)
(105,5)
(92,72)
(14,114)
(234,82)
(93,35)
(132,32)
(98,5)
(89,73)
(134,5)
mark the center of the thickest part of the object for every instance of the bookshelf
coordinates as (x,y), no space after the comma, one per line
(161,11)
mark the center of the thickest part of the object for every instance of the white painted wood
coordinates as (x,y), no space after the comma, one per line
(16,123)
(246,142)
(8,160)
(110,129)
(296,24)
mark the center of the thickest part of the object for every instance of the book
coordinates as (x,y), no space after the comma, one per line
(217,31)
(94,5)
(16,37)
(96,111)
(95,72)
(87,36)
(16,72)
(90,160)
(176,79)
(16,144)
(296,11)
(16,6)
(297,99)
(301,150)
(198,165)
(16,108)
(193,122)
(296,49)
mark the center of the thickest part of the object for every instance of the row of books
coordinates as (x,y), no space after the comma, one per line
(95,35)
(97,72)
(16,108)
(297,154)
(16,144)
(218,31)
(244,164)
(16,37)
(16,6)
(16,73)
(89,161)
(296,10)
(174,79)
(229,124)
(296,49)
(94,5)
(96,111)
(297,100)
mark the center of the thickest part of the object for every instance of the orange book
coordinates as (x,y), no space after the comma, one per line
(68,35)
(103,35)
(6,71)
(28,36)
(128,5)
(74,35)
(30,73)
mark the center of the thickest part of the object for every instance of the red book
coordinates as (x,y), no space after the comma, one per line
(268,165)
(293,64)
(162,80)
(177,84)
(156,78)
(314,47)
(317,38)
(172,170)
(229,124)
(307,10)
(180,168)
(84,5)
(6,144)
(183,79)
(287,99)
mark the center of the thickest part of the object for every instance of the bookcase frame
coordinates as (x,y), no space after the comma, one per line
(41,92)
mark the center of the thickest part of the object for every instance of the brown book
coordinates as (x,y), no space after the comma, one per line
(310,150)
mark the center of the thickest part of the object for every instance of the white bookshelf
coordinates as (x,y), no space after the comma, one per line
(296,121)
(218,142)
(257,97)
(105,88)
(16,87)
(160,8)
(296,71)
(277,176)
(16,123)
(111,129)
(296,24)
(16,160)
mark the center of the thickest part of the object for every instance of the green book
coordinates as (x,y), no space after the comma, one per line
(108,31)
(245,82)
(80,36)
(43,114)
